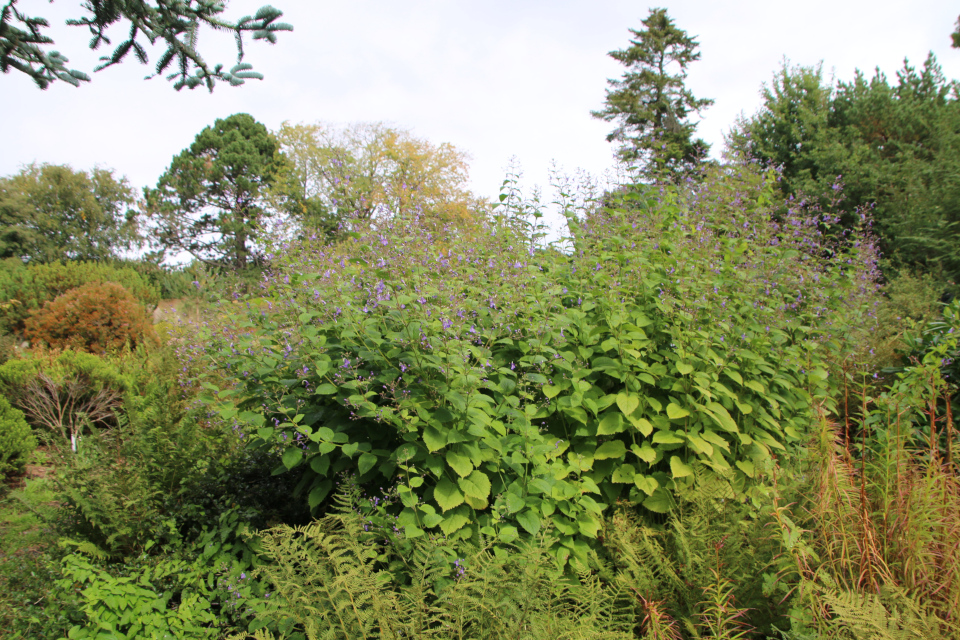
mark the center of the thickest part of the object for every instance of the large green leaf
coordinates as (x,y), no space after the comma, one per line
(459,463)
(447,494)
(627,403)
(611,423)
(476,485)
(679,468)
(610,449)
(675,411)
(530,521)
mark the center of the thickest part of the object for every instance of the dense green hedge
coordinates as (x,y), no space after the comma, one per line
(24,288)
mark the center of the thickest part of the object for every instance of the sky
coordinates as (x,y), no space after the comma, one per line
(505,81)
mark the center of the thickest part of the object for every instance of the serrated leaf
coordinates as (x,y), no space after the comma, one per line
(679,468)
(624,474)
(455,520)
(447,494)
(645,452)
(647,484)
(530,521)
(459,463)
(514,503)
(477,485)
(675,412)
(611,423)
(434,439)
(660,502)
(610,449)
(431,520)
(642,425)
(508,534)
(627,403)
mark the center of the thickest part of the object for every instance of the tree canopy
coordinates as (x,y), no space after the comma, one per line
(651,105)
(209,202)
(368,170)
(175,23)
(887,147)
(51,212)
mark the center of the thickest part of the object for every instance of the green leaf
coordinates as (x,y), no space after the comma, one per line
(432,519)
(624,474)
(647,484)
(476,485)
(666,437)
(366,462)
(679,468)
(611,423)
(433,439)
(675,412)
(722,417)
(610,449)
(645,452)
(318,493)
(447,494)
(684,369)
(508,534)
(350,448)
(530,521)
(627,403)
(660,502)
(459,463)
(455,520)
(642,425)
(292,456)
(514,503)
(550,391)
(326,389)
(589,525)
(747,467)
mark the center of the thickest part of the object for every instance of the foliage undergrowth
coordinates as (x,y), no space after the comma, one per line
(505,385)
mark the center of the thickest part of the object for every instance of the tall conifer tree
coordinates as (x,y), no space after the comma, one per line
(651,105)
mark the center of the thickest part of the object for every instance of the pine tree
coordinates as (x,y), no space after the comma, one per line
(651,106)
(209,202)
(175,23)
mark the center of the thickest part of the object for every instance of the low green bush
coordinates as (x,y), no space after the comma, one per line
(16,439)
(24,288)
(62,394)
(95,317)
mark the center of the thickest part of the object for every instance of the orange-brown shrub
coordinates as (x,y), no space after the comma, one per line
(96,317)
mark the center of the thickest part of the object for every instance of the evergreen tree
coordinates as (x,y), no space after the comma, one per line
(209,202)
(176,23)
(650,103)
(893,146)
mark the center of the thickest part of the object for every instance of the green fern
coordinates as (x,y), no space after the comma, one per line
(890,615)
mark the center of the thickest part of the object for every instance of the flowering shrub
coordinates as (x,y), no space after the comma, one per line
(96,317)
(679,335)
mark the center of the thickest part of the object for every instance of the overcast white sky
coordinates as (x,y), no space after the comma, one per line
(497,79)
